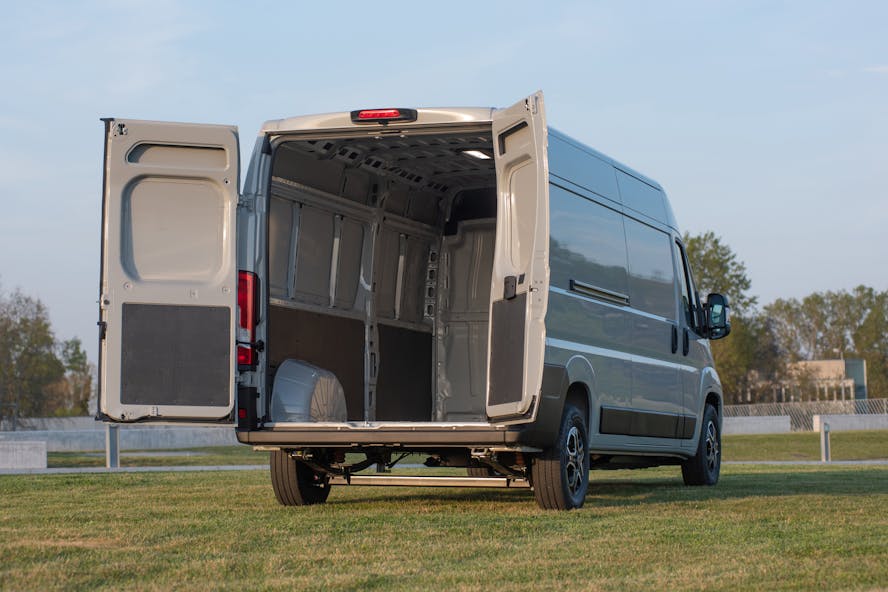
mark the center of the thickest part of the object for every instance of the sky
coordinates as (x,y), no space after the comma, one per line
(765,121)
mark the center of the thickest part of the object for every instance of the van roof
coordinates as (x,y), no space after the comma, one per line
(427,116)
(342,120)
(435,116)
(604,157)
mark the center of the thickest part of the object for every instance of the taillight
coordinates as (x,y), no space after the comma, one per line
(248,317)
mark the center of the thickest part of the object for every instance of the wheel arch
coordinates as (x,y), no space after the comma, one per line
(574,381)
(715,399)
(581,386)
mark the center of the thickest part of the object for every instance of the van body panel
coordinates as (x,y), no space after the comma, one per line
(614,301)
(169,274)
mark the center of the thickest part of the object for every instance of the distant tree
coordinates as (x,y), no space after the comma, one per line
(70,394)
(717,269)
(823,324)
(749,361)
(829,325)
(871,344)
(29,365)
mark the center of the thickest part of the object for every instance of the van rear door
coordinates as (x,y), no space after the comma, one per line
(519,288)
(169,272)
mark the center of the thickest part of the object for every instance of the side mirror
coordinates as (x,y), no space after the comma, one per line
(718,323)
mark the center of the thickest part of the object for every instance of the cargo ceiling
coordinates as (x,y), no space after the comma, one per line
(437,162)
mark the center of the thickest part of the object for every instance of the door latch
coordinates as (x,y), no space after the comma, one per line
(510,287)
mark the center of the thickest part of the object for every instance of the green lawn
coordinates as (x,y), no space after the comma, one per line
(792,446)
(207,456)
(862,445)
(761,528)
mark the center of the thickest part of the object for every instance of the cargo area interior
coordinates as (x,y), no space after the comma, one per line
(380,253)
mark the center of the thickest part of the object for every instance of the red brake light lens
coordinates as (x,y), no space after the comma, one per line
(383,116)
(246,356)
(379,114)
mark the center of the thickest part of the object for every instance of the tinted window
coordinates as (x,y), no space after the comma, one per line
(586,243)
(578,166)
(651,274)
(693,311)
(641,197)
(687,309)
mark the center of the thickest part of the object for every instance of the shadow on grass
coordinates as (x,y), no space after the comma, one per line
(611,492)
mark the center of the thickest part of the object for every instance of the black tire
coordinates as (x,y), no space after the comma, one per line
(560,474)
(295,483)
(704,467)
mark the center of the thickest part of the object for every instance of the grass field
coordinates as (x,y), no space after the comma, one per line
(207,456)
(862,445)
(761,528)
(794,446)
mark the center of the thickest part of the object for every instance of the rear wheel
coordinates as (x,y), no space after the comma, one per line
(561,473)
(295,483)
(705,466)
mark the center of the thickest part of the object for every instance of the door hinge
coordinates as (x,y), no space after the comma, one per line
(103,329)
(259,346)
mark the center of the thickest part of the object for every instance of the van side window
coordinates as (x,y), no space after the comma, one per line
(651,273)
(689,304)
(586,243)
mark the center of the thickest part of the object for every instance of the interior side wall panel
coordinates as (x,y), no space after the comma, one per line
(404,385)
(332,343)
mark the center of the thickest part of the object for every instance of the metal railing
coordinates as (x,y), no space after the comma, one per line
(801,413)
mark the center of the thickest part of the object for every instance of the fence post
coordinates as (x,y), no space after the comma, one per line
(824,442)
(112,446)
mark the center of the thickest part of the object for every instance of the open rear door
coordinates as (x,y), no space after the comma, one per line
(520,279)
(169,272)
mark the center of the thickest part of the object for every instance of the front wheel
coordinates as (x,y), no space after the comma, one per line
(560,474)
(704,467)
(295,483)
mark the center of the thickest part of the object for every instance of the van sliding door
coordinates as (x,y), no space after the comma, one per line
(169,273)
(519,292)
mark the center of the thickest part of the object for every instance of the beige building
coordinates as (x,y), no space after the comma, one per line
(824,380)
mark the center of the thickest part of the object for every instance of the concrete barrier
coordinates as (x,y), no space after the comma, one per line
(772,424)
(843,423)
(131,438)
(23,455)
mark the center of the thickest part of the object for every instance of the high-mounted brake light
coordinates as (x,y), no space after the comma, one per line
(383,116)
(248,317)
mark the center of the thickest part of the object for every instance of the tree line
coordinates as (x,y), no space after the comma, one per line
(39,375)
(765,341)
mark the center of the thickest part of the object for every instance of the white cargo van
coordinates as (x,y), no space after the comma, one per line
(467,284)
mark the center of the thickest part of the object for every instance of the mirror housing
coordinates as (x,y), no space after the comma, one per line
(717,315)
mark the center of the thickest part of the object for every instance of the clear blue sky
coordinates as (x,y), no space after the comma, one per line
(766,122)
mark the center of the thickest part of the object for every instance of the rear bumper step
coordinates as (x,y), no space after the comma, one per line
(408,481)
(458,436)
